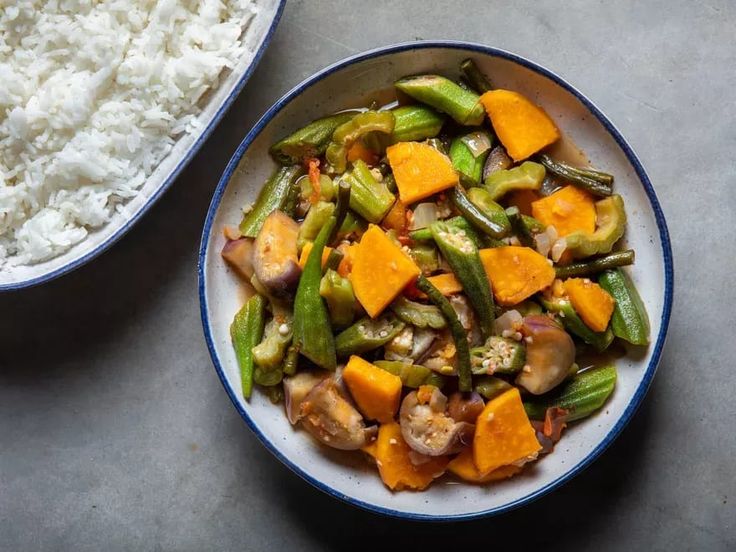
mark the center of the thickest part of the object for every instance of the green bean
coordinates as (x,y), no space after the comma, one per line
(474,215)
(595,182)
(475,77)
(590,268)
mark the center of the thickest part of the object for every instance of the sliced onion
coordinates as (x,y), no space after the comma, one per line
(478,142)
(508,321)
(545,240)
(497,161)
(424,215)
(558,249)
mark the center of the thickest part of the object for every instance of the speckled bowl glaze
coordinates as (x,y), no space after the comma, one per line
(258,35)
(355,82)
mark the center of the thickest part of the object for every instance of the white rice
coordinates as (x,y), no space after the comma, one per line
(93,95)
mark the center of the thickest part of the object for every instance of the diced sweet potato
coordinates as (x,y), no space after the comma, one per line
(568,210)
(381,270)
(503,434)
(516,272)
(464,467)
(376,392)
(307,249)
(393,457)
(359,151)
(447,283)
(592,303)
(420,170)
(395,219)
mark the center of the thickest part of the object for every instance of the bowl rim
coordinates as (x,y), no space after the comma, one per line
(166,184)
(631,157)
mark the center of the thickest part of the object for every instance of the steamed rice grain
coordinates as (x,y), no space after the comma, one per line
(93,95)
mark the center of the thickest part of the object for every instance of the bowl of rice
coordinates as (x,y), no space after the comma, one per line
(103,105)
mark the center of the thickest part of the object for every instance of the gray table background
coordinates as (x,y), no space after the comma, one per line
(116,434)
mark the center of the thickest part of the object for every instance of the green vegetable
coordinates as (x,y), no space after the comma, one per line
(611,224)
(574,324)
(338,293)
(482,200)
(582,395)
(316,218)
(629,321)
(589,268)
(334,259)
(353,225)
(269,353)
(528,307)
(412,375)
(499,355)
(522,231)
(367,334)
(326,187)
(475,77)
(415,123)
(459,335)
(291,360)
(438,144)
(425,256)
(444,95)
(418,314)
(459,223)
(369,197)
(245,332)
(312,329)
(468,166)
(310,141)
(276,194)
(490,387)
(275,393)
(596,182)
(527,176)
(463,257)
(267,377)
(474,215)
(347,133)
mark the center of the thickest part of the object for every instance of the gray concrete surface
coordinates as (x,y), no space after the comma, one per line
(115,433)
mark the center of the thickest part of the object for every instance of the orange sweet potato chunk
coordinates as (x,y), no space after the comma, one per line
(522,127)
(381,270)
(420,170)
(464,467)
(503,434)
(569,209)
(592,303)
(395,219)
(359,151)
(376,392)
(516,272)
(307,249)
(447,283)
(394,462)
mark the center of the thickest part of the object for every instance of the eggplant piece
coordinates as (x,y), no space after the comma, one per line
(550,352)
(465,407)
(239,255)
(331,419)
(428,429)
(275,254)
(296,388)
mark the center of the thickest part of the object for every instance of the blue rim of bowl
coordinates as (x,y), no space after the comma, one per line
(191,152)
(631,157)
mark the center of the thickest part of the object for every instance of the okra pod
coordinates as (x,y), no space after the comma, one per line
(482,200)
(460,223)
(575,325)
(474,215)
(309,141)
(418,314)
(475,77)
(446,96)
(596,266)
(522,231)
(338,294)
(316,218)
(412,375)
(466,163)
(347,133)
(464,259)
(415,123)
(269,353)
(490,387)
(367,334)
(582,395)
(425,256)
(459,334)
(312,329)
(629,321)
(369,198)
(527,176)
(595,182)
(267,377)
(498,355)
(246,332)
(276,194)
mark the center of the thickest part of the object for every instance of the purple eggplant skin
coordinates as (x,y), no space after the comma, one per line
(275,254)
(550,352)
(239,255)
(465,407)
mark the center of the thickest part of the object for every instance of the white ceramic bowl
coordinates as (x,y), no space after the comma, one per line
(354,82)
(259,33)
